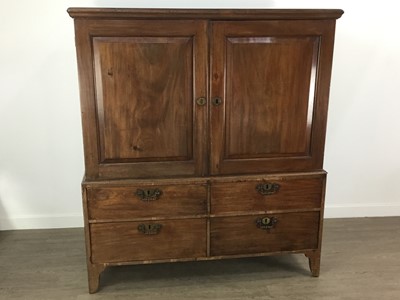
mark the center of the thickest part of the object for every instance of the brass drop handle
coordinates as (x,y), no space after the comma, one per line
(266,222)
(148,194)
(216,101)
(267,188)
(149,229)
(201,101)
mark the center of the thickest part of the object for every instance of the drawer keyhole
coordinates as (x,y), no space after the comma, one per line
(148,194)
(267,188)
(266,222)
(149,229)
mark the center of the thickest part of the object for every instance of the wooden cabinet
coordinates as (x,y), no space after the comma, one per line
(203,133)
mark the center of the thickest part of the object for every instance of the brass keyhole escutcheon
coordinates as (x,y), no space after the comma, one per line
(201,101)
(267,188)
(149,229)
(266,222)
(148,194)
(216,101)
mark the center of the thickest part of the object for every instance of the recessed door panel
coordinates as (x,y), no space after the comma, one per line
(270,87)
(144,95)
(142,120)
(272,114)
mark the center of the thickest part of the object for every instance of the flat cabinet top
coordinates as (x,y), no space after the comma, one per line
(219,14)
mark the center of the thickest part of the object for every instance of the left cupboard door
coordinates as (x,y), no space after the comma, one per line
(140,85)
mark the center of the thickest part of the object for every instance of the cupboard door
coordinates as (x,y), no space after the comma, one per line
(272,81)
(146,76)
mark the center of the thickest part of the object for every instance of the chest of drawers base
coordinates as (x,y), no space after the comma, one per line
(128,223)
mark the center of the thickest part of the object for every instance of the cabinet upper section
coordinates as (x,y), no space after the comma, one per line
(203,92)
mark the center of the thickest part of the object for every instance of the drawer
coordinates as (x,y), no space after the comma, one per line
(266,195)
(152,240)
(241,235)
(146,201)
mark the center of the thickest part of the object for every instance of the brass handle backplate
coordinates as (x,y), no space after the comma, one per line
(216,101)
(149,228)
(201,101)
(266,222)
(267,188)
(148,194)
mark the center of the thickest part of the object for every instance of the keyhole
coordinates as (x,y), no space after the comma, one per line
(217,101)
(266,221)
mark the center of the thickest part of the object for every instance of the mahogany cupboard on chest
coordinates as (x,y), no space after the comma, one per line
(203,133)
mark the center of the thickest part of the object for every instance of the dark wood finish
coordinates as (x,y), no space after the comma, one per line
(120,242)
(110,203)
(203,133)
(314,261)
(273,79)
(203,180)
(260,70)
(138,105)
(314,256)
(205,14)
(304,193)
(94,270)
(235,235)
(144,98)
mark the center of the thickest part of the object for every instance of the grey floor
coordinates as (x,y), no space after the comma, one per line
(361,260)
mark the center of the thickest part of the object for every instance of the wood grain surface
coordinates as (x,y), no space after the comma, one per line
(243,196)
(202,105)
(113,203)
(121,242)
(293,231)
(144,97)
(139,84)
(273,79)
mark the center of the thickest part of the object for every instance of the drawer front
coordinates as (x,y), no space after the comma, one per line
(242,235)
(146,201)
(266,195)
(152,240)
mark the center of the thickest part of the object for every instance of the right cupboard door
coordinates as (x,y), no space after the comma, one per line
(269,92)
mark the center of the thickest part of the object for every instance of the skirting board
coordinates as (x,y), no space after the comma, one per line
(76,220)
(42,222)
(360,211)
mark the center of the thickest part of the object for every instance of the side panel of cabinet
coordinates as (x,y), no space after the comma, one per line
(273,80)
(141,120)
